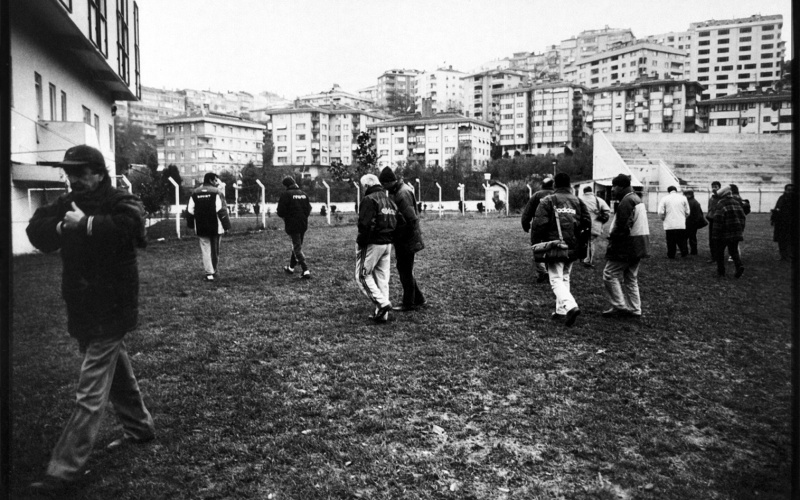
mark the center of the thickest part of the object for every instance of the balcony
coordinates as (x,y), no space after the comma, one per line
(54,138)
(629,117)
(418,150)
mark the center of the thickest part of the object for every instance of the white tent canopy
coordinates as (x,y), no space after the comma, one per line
(607,163)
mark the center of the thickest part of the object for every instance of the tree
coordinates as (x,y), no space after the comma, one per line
(365,155)
(338,171)
(131,146)
(399,103)
(153,193)
(251,191)
(171,172)
(268,151)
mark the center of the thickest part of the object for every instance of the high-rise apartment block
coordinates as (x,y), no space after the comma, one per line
(397,82)
(336,97)
(480,100)
(443,87)
(155,104)
(627,63)
(542,118)
(730,55)
(431,140)
(588,43)
(647,105)
(209,142)
(70,61)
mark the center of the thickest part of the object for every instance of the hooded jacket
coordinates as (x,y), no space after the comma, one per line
(408,234)
(294,208)
(629,238)
(100,278)
(377,218)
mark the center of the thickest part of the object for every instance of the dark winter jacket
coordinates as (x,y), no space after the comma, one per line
(629,238)
(572,214)
(529,211)
(294,208)
(782,217)
(207,211)
(696,219)
(100,279)
(712,206)
(377,218)
(729,220)
(408,234)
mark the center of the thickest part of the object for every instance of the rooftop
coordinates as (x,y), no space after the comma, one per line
(210,117)
(436,119)
(630,47)
(742,20)
(752,96)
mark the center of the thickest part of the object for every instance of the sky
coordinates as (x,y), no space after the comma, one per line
(300,47)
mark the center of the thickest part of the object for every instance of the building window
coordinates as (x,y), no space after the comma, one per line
(98,28)
(53,104)
(123,43)
(744,48)
(768,27)
(745,39)
(136,50)
(300,126)
(63,106)
(723,50)
(97,126)
(87,115)
(111,137)
(767,46)
(37,79)
(723,59)
(766,73)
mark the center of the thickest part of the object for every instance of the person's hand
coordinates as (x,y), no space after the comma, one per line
(72,219)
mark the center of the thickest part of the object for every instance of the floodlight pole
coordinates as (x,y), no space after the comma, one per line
(461,192)
(328,201)
(178,204)
(530,191)
(507,194)
(487,176)
(358,195)
(440,199)
(263,203)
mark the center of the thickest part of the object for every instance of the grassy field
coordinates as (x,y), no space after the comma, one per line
(266,386)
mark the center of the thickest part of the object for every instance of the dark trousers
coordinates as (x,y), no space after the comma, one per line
(733,250)
(676,238)
(412,295)
(711,241)
(297,251)
(691,239)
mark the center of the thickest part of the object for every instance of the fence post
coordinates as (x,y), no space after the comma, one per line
(263,202)
(358,196)
(177,204)
(530,191)
(440,200)
(508,194)
(328,201)
(461,193)
(127,183)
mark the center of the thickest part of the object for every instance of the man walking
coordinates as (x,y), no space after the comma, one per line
(694,222)
(407,238)
(528,214)
(207,214)
(573,218)
(600,213)
(712,206)
(628,243)
(294,208)
(728,230)
(97,227)
(782,218)
(673,210)
(376,224)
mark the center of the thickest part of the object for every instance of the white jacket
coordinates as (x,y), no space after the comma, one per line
(673,210)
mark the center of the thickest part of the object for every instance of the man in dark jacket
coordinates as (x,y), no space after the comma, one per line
(207,213)
(782,220)
(574,219)
(628,244)
(695,221)
(728,230)
(527,216)
(97,227)
(712,207)
(294,208)
(407,238)
(377,220)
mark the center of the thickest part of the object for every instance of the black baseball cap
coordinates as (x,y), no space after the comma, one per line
(84,155)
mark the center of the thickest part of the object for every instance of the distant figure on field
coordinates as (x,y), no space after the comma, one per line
(729,220)
(207,214)
(712,206)
(527,216)
(377,220)
(294,208)
(574,218)
(628,244)
(782,218)
(97,227)
(407,238)
(674,209)
(694,222)
(600,213)
(745,208)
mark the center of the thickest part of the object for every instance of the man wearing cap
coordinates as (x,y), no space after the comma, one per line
(207,213)
(294,208)
(527,216)
(407,238)
(376,223)
(97,227)
(674,209)
(628,244)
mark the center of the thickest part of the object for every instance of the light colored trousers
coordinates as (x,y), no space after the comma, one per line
(558,272)
(622,285)
(209,247)
(373,264)
(106,375)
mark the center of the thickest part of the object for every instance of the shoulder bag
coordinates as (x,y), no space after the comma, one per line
(550,251)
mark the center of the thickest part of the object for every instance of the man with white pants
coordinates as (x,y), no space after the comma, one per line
(207,214)
(376,224)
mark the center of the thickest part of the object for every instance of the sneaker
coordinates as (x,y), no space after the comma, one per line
(739,272)
(572,315)
(126,440)
(381,311)
(51,486)
(542,278)
(557,317)
(288,270)
(306,275)
(615,313)
(209,277)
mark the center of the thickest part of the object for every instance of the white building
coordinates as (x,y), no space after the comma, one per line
(626,63)
(444,87)
(70,60)
(336,97)
(752,112)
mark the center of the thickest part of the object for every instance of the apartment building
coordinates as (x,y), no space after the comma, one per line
(588,43)
(70,61)
(369,93)
(646,105)
(432,140)
(737,54)
(154,105)
(480,99)
(311,137)
(209,142)
(444,87)
(542,118)
(229,103)
(399,82)
(336,97)
(748,112)
(627,63)
(681,40)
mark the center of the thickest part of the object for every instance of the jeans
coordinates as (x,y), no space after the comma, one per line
(298,257)
(106,375)
(209,247)
(676,238)
(372,273)
(558,272)
(691,240)
(590,250)
(622,285)
(733,250)
(412,295)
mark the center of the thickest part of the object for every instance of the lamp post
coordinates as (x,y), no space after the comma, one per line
(487,176)
(419,190)
(263,203)
(327,201)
